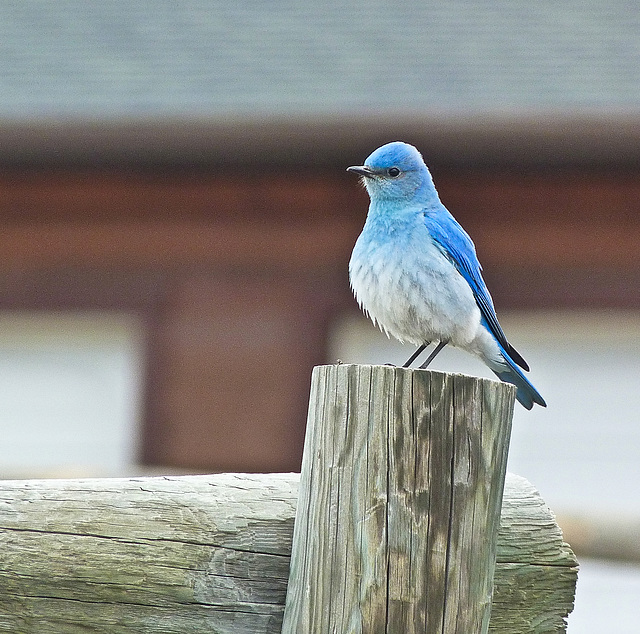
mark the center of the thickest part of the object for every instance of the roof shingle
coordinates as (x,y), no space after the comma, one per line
(77,59)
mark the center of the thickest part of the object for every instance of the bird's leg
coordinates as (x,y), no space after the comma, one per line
(415,355)
(433,354)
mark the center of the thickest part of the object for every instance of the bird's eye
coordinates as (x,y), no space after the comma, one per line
(393,172)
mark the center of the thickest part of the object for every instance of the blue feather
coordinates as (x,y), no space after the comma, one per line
(459,248)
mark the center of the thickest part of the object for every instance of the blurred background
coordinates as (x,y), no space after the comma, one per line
(177,223)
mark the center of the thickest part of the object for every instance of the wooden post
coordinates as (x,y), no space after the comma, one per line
(399,507)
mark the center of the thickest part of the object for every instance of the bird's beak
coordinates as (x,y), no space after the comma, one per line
(361,170)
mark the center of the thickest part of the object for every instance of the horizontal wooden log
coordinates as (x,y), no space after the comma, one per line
(536,571)
(211,554)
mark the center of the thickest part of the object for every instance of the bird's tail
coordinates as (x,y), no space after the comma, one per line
(509,372)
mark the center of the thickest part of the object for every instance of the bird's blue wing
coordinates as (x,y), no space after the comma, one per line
(458,247)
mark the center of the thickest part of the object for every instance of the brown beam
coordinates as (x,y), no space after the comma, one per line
(536,137)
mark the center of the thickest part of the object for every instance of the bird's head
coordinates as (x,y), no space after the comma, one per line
(395,171)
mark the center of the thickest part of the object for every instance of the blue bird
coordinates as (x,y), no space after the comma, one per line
(415,272)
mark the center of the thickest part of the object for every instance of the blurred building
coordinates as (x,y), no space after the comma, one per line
(176,172)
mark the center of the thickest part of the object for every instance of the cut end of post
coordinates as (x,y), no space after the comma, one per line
(500,386)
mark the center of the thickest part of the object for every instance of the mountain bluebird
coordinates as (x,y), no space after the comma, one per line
(415,272)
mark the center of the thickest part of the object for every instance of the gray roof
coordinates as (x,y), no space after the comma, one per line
(115,58)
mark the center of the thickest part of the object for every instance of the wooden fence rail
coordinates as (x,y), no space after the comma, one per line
(410,463)
(211,554)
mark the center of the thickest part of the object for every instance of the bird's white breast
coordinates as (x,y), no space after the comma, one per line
(409,288)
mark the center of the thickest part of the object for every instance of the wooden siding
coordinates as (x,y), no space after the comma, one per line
(238,270)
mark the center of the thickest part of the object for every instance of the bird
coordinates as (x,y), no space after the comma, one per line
(414,270)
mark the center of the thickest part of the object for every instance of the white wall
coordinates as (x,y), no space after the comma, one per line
(69,393)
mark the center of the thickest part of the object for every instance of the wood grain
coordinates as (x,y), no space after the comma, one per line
(211,554)
(401,493)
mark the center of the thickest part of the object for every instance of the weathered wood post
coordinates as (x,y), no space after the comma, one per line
(399,506)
